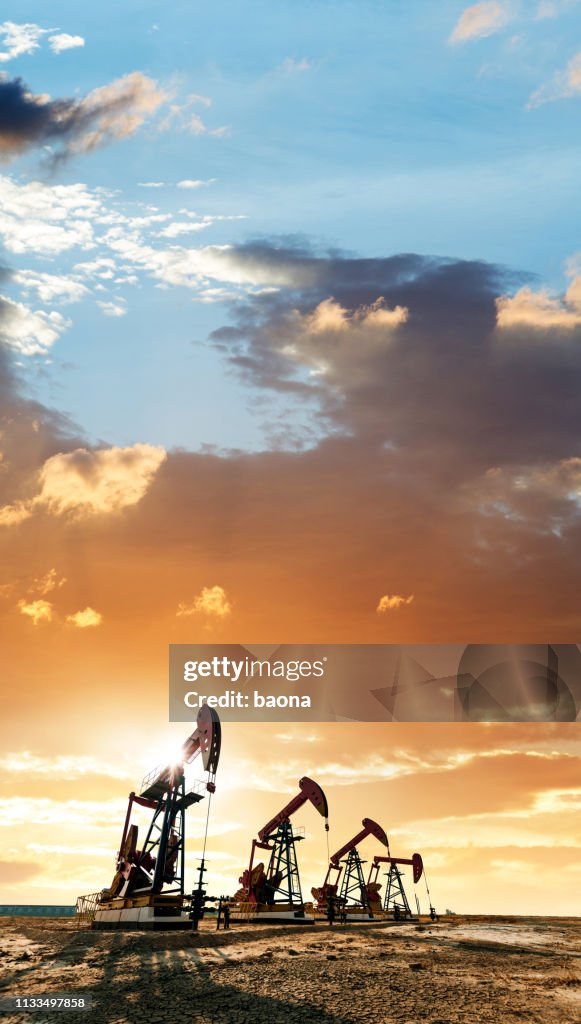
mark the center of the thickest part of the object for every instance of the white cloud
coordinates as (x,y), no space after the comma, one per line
(63,41)
(85,619)
(50,287)
(191,267)
(19,39)
(553,8)
(203,101)
(480,20)
(184,228)
(47,219)
(151,184)
(210,601)
(83,482)
(195,125)
(104,268)
(29,332)
(50,220)
(564,85)
(292,66)
(115,309)
(389,603)
(181,117)
(194,182)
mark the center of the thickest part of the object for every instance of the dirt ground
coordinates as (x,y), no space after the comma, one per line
(457,971)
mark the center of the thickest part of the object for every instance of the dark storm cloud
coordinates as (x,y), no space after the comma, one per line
(111,112)
(442,382)
(26,119)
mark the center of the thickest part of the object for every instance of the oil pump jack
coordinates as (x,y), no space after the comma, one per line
(274,894)
(147,890)
(395,901)
(351,900)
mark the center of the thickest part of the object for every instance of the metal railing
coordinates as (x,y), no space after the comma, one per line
(159,774)
(86,908)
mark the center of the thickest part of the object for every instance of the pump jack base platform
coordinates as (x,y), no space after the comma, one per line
(356,916)
(146,913)
(263,913)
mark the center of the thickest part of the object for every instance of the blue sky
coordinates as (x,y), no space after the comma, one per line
(375,128)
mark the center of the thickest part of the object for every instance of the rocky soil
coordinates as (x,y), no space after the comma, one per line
(456,971)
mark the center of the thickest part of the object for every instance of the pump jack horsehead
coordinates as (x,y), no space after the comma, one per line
(274,894)
(147,890)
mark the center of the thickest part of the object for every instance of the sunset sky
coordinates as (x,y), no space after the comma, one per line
(290,351)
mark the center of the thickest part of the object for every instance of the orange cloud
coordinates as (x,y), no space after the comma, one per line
(210,601)
(85,482)
(537,310)
(388,604)
(44,584)
(330,315)
(38,611)
(85,619)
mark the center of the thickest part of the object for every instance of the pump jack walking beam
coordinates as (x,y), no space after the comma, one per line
(416,863)
(370,828)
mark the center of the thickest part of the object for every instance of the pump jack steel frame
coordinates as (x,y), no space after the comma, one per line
(396,901)
(147,891)
(351,900)
(274,895)
(395,894)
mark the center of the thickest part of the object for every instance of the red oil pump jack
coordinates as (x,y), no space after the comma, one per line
(352,899)
(147,890)
(395,902)
(274,894)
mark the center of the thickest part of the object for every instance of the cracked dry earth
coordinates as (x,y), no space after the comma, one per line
(457,971)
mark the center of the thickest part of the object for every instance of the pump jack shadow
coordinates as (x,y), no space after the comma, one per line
(175,983)
(163,976)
